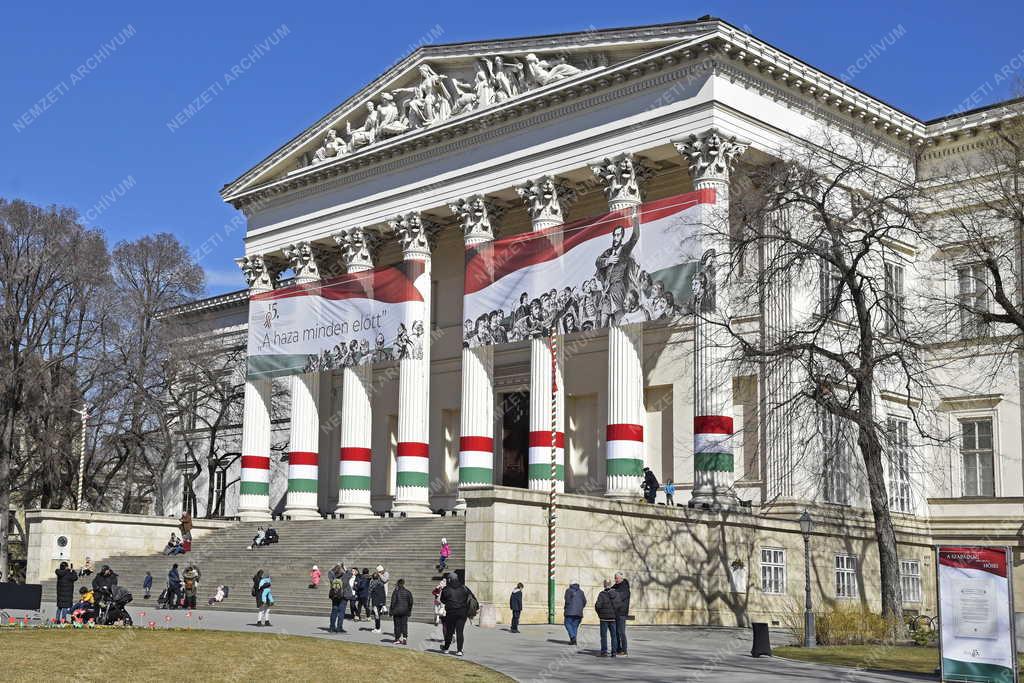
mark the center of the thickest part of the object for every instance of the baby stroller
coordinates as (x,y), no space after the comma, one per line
(111,606)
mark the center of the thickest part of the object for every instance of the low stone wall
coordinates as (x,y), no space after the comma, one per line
(679,562)
(98,535)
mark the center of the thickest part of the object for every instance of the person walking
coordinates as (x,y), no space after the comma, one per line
(264,601)
(401,610)
(607,608)
(337,597)
(622,586)
(575,601)
(190,581)
(670,491)
(66,577)
(459,604)
(147,585)
(173,587)
(515,603)
(377,600)
(446,552)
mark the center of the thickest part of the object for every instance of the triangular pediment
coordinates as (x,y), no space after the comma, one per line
(439,84)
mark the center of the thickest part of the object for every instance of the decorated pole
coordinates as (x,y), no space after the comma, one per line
(84,412)
(553,489)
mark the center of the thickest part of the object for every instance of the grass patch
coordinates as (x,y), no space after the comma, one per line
(904,658)
(140,654)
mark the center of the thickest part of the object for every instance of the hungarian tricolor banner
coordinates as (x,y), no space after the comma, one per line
(976,632)
(623,267)
(356,319)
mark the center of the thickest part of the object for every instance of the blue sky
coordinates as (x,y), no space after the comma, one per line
(102,143)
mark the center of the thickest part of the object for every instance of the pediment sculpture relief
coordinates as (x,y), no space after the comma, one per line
(437,97)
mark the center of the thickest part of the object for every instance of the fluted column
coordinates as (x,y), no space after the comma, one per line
(304,445)
(418,237)
(543,198)
(254,483)
(358,247)
(624,433)
(476,416)
(710,156)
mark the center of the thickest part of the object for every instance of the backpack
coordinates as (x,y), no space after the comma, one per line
(337,591)
(472,604)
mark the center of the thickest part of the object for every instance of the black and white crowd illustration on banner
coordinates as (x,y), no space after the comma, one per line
(407,343)
(602,276)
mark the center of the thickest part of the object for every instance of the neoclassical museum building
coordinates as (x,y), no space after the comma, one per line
(466,149)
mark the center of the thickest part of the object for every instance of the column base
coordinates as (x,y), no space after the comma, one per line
(354,512)
(623,496)
(254,515)
(302,513)
(460,504)
(412,509)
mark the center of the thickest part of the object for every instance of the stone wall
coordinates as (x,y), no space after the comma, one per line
(99,535)
(679,561)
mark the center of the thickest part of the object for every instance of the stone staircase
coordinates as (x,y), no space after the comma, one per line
(408,548)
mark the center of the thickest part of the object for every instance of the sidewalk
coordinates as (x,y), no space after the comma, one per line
(542,653)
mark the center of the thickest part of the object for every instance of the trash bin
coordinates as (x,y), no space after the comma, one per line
(762,643)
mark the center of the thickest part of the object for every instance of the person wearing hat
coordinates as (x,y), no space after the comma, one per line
(446,552)
(650,485)
(383,575)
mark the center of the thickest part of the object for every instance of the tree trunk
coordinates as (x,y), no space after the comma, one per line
(885,536)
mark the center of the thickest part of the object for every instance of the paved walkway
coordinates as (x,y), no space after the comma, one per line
(542,653)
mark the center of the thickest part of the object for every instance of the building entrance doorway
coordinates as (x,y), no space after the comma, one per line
(515,438)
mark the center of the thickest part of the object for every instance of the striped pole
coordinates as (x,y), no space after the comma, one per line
(554,480)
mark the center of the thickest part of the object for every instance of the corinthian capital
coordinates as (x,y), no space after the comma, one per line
(416,233)
(621,176)
(544,197)
(259,275)
(710,155)
(476,214)
(302,262)
(358,247)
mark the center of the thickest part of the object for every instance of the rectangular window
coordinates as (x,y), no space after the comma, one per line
(972,299)
(846,576)
(835,459)
(188,496)
(773,571)
(900,499)
(895,299)
(833,303)
(910,580)
(977,453)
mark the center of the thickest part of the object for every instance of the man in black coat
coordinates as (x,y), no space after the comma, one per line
(515,603)
(455,597)
(105,580)
(66,578)
(401,609)
(622,586)
(607,606)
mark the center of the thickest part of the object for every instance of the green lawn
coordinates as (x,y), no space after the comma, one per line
(144,655)
(909,658)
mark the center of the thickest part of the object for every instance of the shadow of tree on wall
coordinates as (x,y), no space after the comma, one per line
(706,546)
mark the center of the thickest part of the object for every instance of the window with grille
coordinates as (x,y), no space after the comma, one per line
(895,299)
(773,570)
(910,580)
(900,498)
(846,576)
(978,455)
(972,297)
(835,459)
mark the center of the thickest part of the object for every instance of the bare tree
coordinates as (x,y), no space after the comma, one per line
(819,246)
(51,272)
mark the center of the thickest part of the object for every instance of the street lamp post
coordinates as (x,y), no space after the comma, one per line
(806,526)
